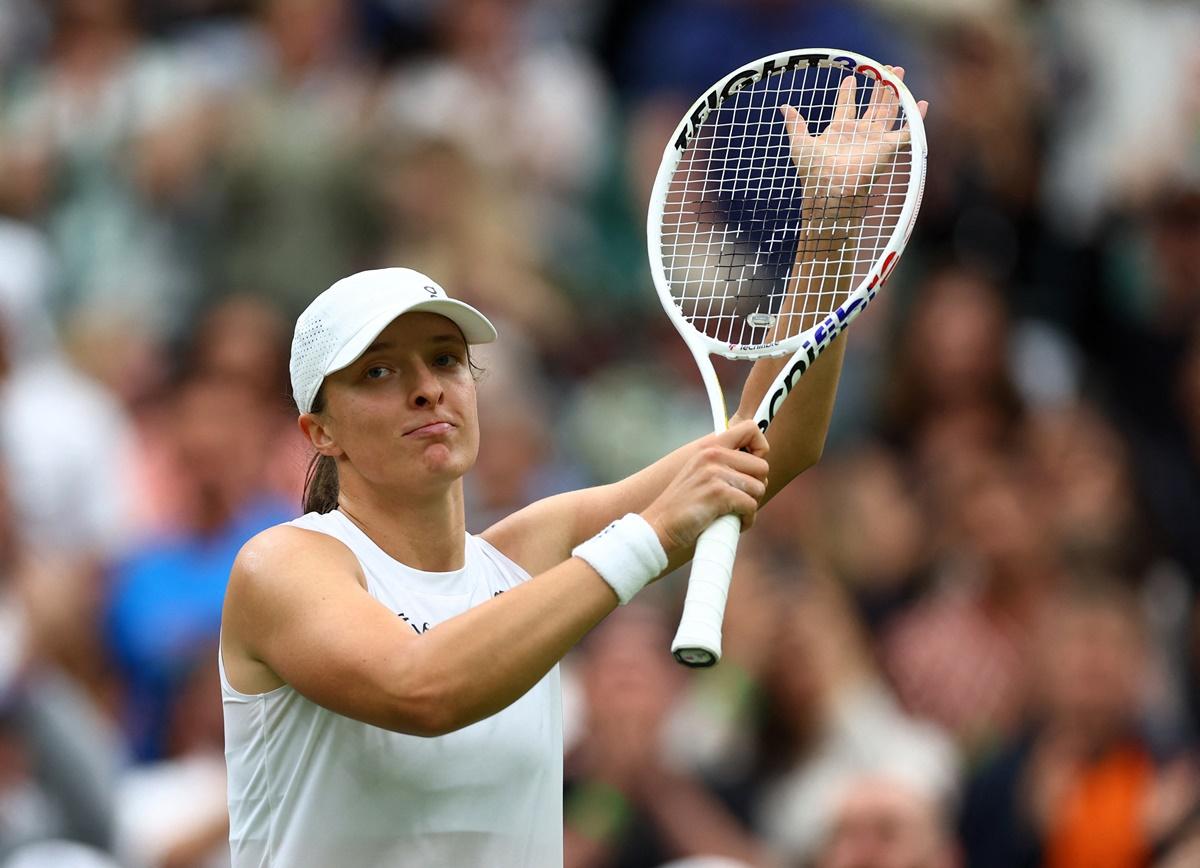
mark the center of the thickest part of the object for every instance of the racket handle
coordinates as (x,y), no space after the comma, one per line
(698,641)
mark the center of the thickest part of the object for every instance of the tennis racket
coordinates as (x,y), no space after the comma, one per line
(783,202)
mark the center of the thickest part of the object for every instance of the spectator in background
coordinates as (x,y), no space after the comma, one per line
(1082,785)
(951,381)
(961,655)
(1079,473)
(67,445)
(59,757)
(829,718)
(173,813)
(447,214)
(1135,316)
(537,113)
(103,143)
(295,211)
(164,608)
(872,532)
(626,806)
(882,822)
(980,199)
(245,338)
(1117,130)
(519,462)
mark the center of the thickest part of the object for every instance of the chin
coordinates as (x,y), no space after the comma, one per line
(448,464)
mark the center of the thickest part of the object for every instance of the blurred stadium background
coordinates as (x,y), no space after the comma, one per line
(969,636)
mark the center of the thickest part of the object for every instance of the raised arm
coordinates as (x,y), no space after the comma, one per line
(838,166)
(835,178)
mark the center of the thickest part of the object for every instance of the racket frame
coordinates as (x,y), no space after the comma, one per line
(698,642)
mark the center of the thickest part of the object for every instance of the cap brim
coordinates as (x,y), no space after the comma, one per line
(475,327)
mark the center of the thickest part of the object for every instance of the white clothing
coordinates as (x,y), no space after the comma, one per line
(309,788)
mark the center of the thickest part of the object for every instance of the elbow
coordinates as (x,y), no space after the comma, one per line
(425,705)
(424,717)
(809,457)
(815,455)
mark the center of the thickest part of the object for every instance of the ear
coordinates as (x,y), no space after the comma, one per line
(319,435)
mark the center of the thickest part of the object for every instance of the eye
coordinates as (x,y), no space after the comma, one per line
(447,360)
(376,372)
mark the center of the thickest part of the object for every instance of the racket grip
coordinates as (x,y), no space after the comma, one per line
(698,640)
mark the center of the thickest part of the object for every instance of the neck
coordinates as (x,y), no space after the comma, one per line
(423,532)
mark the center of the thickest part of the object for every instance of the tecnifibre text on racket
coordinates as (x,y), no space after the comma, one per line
(783,202)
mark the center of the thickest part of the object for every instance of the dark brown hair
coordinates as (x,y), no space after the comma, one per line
(321,479)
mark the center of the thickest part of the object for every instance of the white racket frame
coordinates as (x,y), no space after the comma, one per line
(698,640)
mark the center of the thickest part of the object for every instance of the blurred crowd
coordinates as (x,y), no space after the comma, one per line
(969,637)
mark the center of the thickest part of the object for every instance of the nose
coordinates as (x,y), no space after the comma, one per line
(427,389)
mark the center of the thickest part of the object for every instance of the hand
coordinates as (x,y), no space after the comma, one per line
(728,475)
(1050,772)
(840,165)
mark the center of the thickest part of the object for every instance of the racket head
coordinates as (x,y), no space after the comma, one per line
(727,213)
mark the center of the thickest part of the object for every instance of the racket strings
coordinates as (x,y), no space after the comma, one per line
(751,255)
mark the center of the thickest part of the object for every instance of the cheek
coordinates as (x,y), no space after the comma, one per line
(469,413)
(375,424)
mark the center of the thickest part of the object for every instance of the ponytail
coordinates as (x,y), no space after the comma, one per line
(321,485)
(321,480)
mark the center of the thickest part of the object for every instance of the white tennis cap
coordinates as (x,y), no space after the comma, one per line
(345,319)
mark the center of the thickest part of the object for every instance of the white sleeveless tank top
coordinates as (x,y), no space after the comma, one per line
(309,788)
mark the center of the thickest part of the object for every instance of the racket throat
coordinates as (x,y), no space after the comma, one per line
(712,387)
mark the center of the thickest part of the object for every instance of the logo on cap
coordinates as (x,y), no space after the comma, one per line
(432,290)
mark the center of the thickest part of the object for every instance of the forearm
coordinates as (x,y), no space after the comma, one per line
(693,822)
(634,493)
(478,663)
(797,433)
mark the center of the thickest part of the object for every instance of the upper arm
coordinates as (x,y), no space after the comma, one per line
(297,603)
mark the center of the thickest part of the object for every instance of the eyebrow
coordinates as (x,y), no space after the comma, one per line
(447,338)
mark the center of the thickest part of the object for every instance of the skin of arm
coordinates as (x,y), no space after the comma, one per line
(297,605)
(297,612)
(545,532)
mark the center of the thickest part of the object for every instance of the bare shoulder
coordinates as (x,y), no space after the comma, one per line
(270,561)
(277,573)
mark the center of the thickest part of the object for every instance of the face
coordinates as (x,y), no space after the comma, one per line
(880,824)
(1093,665)
(403,415)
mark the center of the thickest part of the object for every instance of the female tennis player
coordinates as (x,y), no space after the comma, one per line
(389,681)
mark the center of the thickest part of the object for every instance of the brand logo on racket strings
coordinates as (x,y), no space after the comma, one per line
(747,76)
(832,326)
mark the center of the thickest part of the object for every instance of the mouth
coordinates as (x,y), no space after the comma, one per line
(431,429)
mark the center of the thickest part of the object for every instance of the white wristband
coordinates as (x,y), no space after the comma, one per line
(626,554)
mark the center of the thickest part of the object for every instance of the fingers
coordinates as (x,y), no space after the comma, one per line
(746,436)
(795,122)
(797,132)
(845,109)
(737,469)
(875,107)
(725,463)
(755,486)
(885,101)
